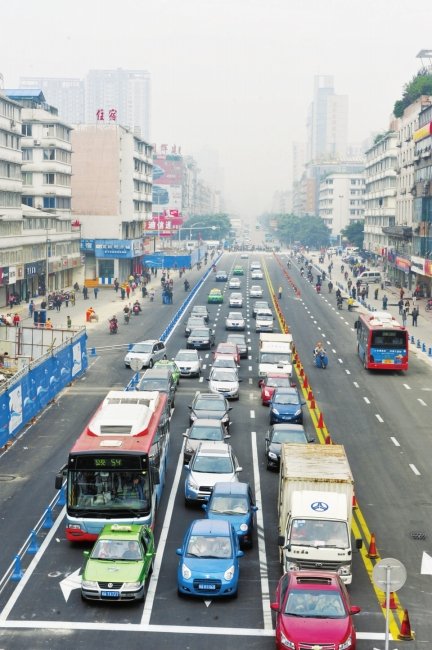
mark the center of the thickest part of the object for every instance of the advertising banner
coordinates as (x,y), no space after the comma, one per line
(167,181)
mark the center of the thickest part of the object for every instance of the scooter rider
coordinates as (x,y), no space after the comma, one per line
(186,285)
(318,349)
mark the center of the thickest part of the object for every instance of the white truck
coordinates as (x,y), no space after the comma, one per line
(275,354)
(316,491)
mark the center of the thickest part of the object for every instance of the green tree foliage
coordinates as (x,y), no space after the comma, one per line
(309,231)
(354,233)
(208,226)
(420,84)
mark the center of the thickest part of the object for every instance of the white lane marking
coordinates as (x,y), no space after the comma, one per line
(249,340)
(328,342)
(334,351)
(414,469)
(378,417)
(347,371)
(340,360)
(406,386)
(251,395)
(206,356)
(394,441)
(265,588)
(31,568)
(356,384)
(366,400)
(252,414)
(250,357)
(250,380)
(421,401)
(201,379)
(204,366)
(250,368)
(319,329)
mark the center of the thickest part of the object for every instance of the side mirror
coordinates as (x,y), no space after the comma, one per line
(86,553)
(207,378)
(187,468)
(260,383)
(359,544)
(239,380)
(354,609)
(356,324)
(239,469)
(178,551)
(281,540)
(155,476)
(267,439)
(204,507)
(230,409)
(59,481)
(227,436)
(240,553)
(185,434)
(274,607)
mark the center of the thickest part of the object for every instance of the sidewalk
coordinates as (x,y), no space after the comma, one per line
(420,335)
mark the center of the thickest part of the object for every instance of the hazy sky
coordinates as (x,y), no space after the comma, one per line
(232,75)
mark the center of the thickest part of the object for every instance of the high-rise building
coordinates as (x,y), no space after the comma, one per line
(66,94)
(327,121)
(121,96)
(341,201)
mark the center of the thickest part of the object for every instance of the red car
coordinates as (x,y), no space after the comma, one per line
(313,611)
(270,383)
(228,348)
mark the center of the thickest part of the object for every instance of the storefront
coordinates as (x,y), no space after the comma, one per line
(108,259)
(421,272)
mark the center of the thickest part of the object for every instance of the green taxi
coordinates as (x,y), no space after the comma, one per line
(238,270)
(120,564)
(166,363)
(215,296)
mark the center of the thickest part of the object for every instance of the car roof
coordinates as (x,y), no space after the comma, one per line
(214,448)
(225,357)
(319,579)
(286,390)
(188,350)
(237,488)
(220,527)
(119,531)
(213,396)
(282,426)
(152,341)
(206,422)
(157,372)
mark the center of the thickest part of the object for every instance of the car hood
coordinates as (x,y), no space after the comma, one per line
(286,409)
(235,520)
(138,355)
(208,567)
(211,415)
(187,364)
(230,385)
(107,571)
(316,630)
(210,478)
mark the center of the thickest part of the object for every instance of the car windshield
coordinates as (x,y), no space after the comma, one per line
(235,296)
(315,603)
(256,287)
(116,549)
(210,405)
(235,315)
(274,382)
(142,347)
(198,432)
(275,358)
(229,505)
(285,398)
(288,436)
(224,363)
(201,333)
(213,464)
(223,375)
(322,532)
(237,340)
(209,547)
(202,311)
(389,339)
(264,316)
(226,349)
(153,384)
(260,305)
(186,356)
(196,321)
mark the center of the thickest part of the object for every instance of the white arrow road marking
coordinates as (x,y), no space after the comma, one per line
(71,582)
(426,564)
(207,603)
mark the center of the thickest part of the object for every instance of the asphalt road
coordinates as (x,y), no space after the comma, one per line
(389,456)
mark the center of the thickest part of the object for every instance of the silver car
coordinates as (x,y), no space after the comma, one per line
(188,362)
(256,291)
(203,430)
(235,321)
(145,353)
(210,464)
(234,283)
(236,300)
(225,382)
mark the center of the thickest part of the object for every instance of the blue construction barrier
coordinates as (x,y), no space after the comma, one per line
(34,546)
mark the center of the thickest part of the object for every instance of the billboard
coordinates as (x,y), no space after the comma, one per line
(167,182)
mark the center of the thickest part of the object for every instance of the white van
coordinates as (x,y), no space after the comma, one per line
(369,277)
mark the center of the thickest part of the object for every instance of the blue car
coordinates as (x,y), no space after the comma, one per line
(286,406)
(209,560)
(235,503)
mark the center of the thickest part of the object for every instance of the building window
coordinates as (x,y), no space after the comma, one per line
(49,154)
(28,200)
(49,179)
(49,202)
(26,129)
(27,178)
(27,154)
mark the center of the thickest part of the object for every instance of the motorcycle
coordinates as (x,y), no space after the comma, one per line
(428,306)
(136,309)
(126,318)
(151,296)
(318,288)
(321,359)
(339,304)
(113,326)
(186,285)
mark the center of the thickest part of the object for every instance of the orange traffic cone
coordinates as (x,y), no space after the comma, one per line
(301,372)
(320,424)
(312,404)
(305,383)
(392,603)
(310,396)
(328,440)
(372,553)
(354,502)
(405,633)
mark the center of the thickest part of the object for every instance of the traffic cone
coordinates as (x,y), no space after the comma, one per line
(310,396)
(392,603)
(305,383)
(372,553)
(312,404)
(320,421)
(405,633)
(354,502)
(301,372)
(328,440)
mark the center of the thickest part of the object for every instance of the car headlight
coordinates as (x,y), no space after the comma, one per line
(286,642)
(192,485)
(292,566)
(89,584)
(244,527)
(229,573)
(272,455)
(346,644)
(275,411)
(344,570)
(186,572)
(132,585)
(298,412)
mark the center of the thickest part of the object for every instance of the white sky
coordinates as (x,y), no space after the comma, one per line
(232,75)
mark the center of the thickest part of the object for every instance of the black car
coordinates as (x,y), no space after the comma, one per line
(259,304)
(240,341)
(201,310)
(201,338)
(161,379)
(210,406)
(278,434)
(192,322)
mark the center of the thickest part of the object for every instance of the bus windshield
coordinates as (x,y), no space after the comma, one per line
(389,339)
(111,490)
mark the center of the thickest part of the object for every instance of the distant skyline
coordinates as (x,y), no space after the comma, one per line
(234,76)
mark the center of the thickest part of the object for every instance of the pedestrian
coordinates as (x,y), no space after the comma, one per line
(31,308)
(85,293)
(363,294)
(401,293)
(384,302)
(404,317)
(401,306)
(414,299)
(96,291)
(66,298)
(116,285)
(69,322)
(16,319)
(376,294)
(122,293)
(48,324)
(407,306)
(280,293)
(414,314)
(354,292)
(367,291)
(128,290)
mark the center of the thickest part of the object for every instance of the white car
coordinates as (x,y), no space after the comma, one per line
(255,266)
(244,256)
(188,362)
(257,275)
(235,321)
(225,361)
(256,291)
(264,321)
(225,382)
(210,464)
(234,283)
(236,300)
(146,352)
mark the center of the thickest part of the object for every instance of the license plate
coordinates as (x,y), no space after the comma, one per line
(110,594)
(207,587)
(388,360)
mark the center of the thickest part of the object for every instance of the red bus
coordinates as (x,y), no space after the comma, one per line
(382,342)
(116,469)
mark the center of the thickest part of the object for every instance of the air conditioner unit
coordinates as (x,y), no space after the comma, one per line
(36,143)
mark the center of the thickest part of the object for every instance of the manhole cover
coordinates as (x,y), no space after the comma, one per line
(418,535)
(7,477)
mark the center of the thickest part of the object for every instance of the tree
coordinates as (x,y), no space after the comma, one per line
(420,84)
(309,230)
(354,233)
